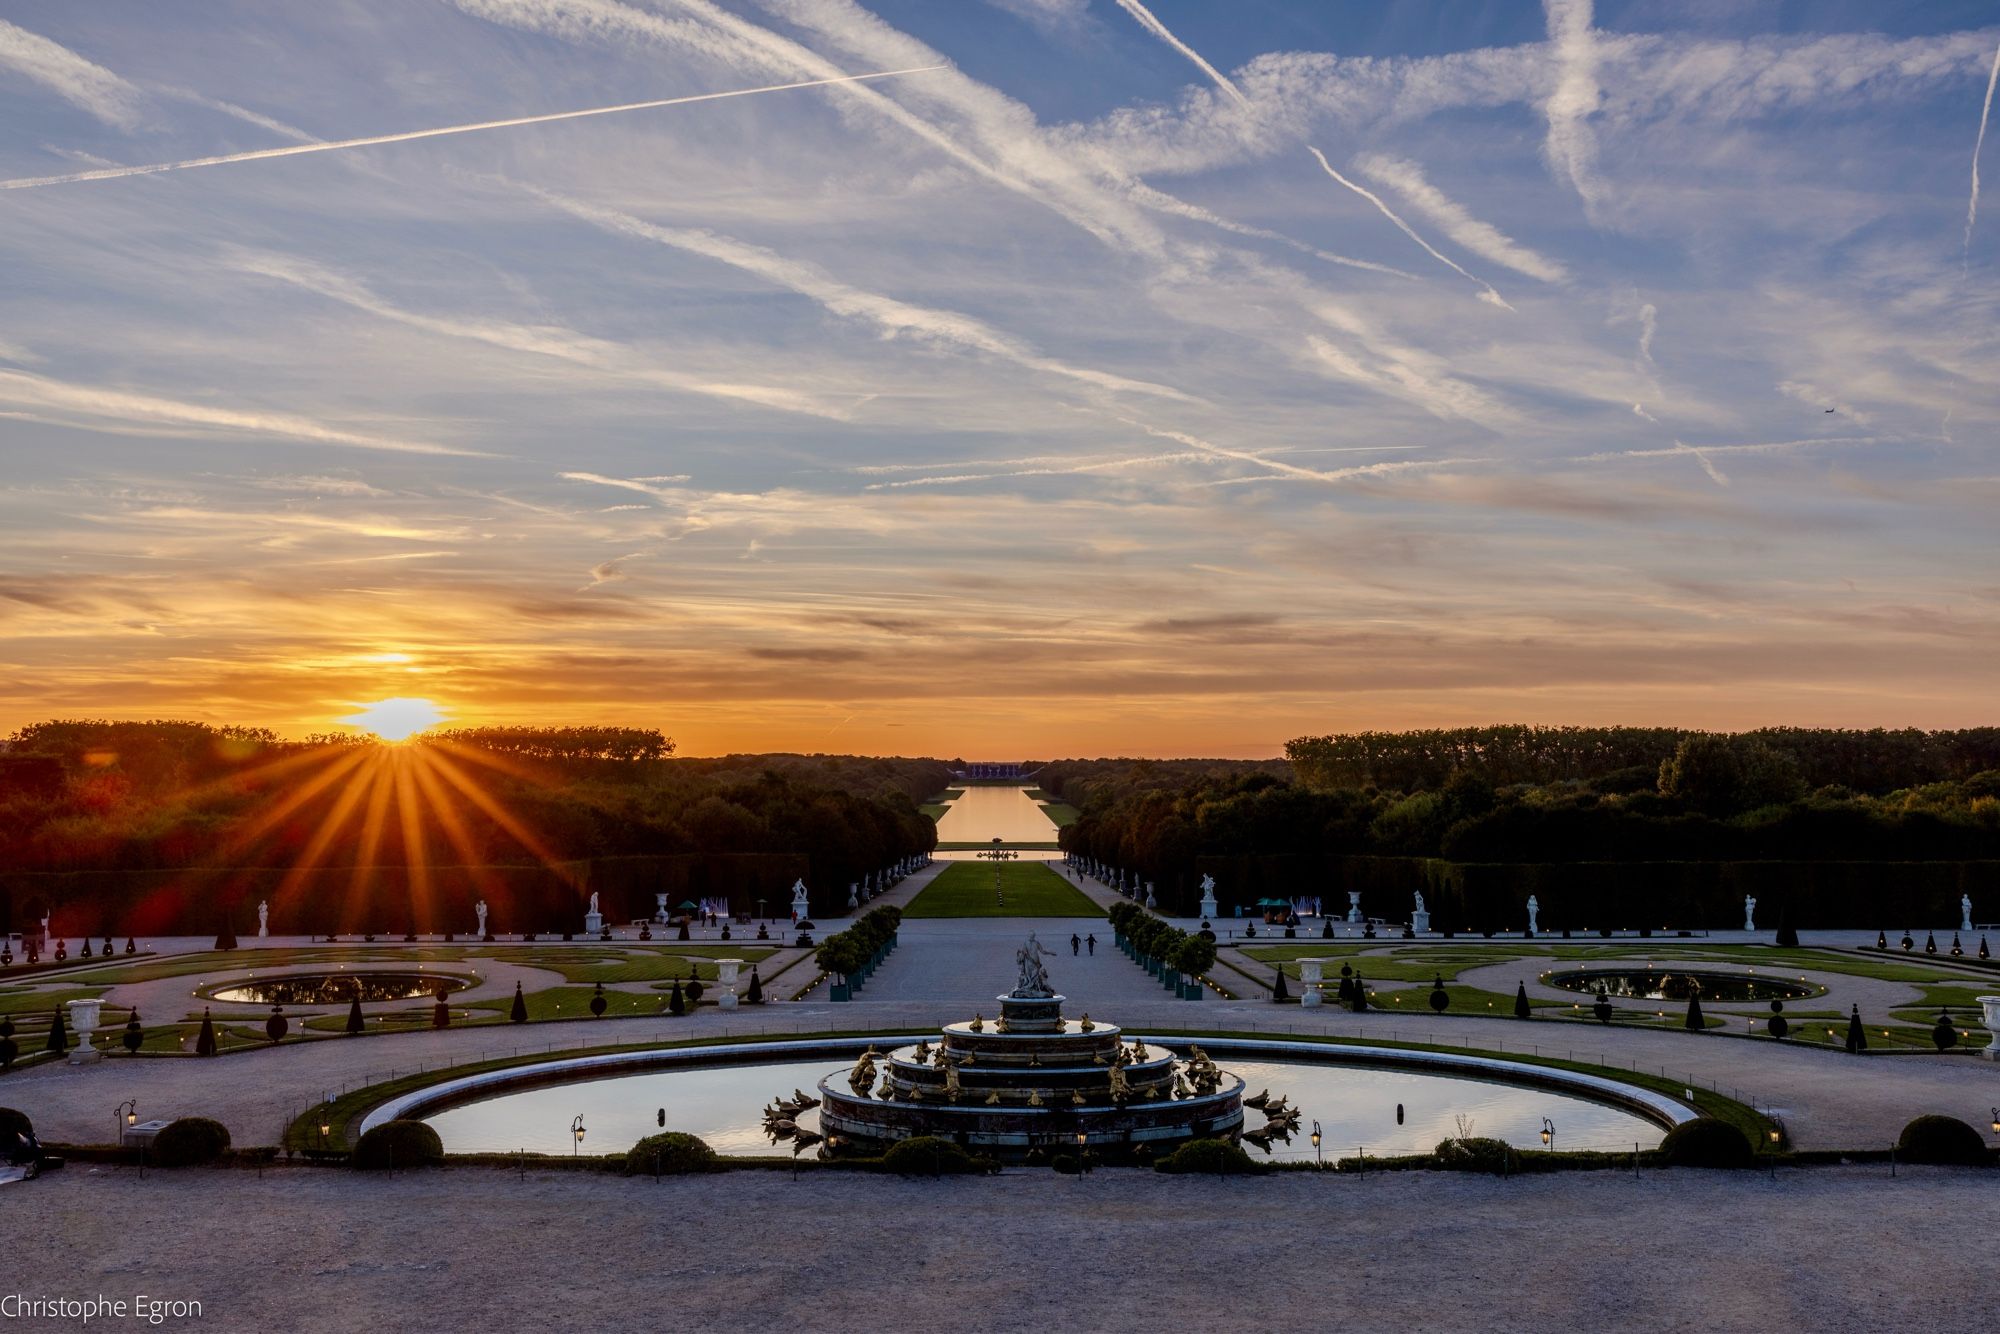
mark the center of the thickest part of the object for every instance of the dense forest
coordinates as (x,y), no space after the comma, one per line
(1536,798)
(89,799)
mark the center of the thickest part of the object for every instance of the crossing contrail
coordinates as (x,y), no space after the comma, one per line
(295,150)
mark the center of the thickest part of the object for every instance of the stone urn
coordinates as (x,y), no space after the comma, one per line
(1311,974)
(725,982)
(83,1016)
(1991,1006)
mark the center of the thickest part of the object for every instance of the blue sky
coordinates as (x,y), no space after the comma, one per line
(1167,378)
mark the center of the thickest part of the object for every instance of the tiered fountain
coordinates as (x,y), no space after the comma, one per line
(1031,1079)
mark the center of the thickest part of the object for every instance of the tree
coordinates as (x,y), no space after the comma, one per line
(676,1002)
(1360,994)
(1440,998)
(755,996)
(597,1001)
(1857,1038)
(277,1025)
(135,1036)
(1521,1007)
(441,1012)
(518,1013)
(355,1023)
(225,939)
(58,1035)
(1694,1023)
(1278,992)
(204,1042)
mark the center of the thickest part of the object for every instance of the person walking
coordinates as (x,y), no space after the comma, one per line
(1091,940)
(1075,944)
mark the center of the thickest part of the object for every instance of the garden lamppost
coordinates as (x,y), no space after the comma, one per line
(126,1114)
(1996,1120)
(1548,1134)
(576,1134)
(1082,1139)
(1319,1159)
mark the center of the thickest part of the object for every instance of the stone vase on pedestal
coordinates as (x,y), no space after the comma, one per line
(82,1020)
(1311,974)
(1991,1007)
(725,982)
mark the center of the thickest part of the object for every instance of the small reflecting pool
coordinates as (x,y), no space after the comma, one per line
(1385,1111)
(1677,984)
(339,988)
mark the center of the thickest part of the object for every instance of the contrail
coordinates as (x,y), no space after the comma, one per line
(1972,205)
(1161,31)
(295,150)
(1489,295)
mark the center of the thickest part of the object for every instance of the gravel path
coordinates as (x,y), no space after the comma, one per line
(1833,1250)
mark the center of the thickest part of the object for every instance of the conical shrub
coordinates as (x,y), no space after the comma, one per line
(1694,1023)
(204,1042)
(355,1023)
(1521,1007)
(518,1013)
(58,1034)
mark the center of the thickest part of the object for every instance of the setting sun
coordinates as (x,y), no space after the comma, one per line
(397,719)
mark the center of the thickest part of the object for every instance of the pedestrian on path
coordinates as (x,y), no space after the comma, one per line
(1091,941)
(1075,944)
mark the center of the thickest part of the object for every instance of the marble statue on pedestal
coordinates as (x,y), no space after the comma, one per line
(1208,897)
(1965,912)
(1420,920)
(1034,973)
(1749,913)
(263,918)
(800,908)
(593,921)
(1534,912)
(480,908)
(1354,905)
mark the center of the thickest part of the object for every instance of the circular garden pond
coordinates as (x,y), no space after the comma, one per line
(339,988)
(1678,984)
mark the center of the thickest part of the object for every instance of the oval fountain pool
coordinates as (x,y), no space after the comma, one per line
(339,988)
(1384,1111)
(1677,984)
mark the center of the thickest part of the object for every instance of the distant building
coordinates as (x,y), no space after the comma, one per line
(993,769)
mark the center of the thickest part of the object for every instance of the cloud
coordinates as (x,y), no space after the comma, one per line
(93,407)
(1571,145)
(948,329)
(1481,238)
(69,76)
(1159,30)
(1057,16)
(1649,324)
(408,136)
(545,340)
(1487,295)
(1985,114)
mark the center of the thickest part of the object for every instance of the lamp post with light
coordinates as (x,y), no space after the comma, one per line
(126,1116)
(576,1133)
(1319,1159)
(1548,1134)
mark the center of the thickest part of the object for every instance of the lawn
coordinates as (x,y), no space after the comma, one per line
(1027,889)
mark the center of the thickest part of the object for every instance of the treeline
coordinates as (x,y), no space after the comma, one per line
(1757,797)
(1090,783)
(178,796)
(1877,760)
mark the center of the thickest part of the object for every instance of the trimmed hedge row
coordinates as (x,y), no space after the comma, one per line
(1159,947)
(853,953)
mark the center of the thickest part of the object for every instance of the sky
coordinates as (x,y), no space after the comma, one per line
(1108,378)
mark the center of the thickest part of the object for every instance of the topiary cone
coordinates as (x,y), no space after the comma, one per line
(204,1042)
(355,1023)
(1278,991)
(440,1013)
(1857,1038)
(58,1035)
(1694,1023)
(1521,1007)
(676,1002)
(135,1036)
(519,1012)
(755,996)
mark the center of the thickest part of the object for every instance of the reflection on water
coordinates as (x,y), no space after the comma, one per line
(339,988)
(1662,984)
(986,813)
(723,1105)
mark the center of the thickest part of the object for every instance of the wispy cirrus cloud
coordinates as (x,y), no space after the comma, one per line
(78,81)
(1481,238)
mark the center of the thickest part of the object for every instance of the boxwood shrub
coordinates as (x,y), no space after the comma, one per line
(190,1141)
(395,1144)
(1215,1157)
(930,1155)
(1942,1139)
(1477,1153)
(1705,1142)
(671,1154)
